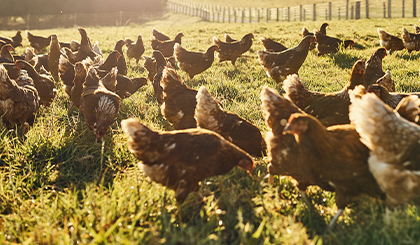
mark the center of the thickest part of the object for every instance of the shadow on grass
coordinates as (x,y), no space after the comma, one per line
(408,56)
(344,60)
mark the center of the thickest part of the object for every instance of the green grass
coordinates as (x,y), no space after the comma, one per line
(57,185)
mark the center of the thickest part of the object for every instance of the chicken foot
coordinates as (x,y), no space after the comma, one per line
(334,219)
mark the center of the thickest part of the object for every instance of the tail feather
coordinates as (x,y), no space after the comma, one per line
(383,35)
(409,108)
(206,109)
(405,35)
(216,40)
(170,78)
(295,90)
(138,133)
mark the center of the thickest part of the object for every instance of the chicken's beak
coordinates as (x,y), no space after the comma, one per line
(287,129)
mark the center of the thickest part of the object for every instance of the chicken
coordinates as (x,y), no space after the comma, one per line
(66,70)
(271,45)
(374,67)
(327,44)
(5,55)
(390,98)
(305,33)
(85,49)
(194,63)
(98,105)
(393,142)
(54,57)
(44,84)
(232,51)
(135,49)
(210,115)
(284,156)
(126,87)
(15,41)
(179,100)
(417,29)
(229,39)
(18,104)
(160,66)
(336,154)
(30,56)
(181,159)
(38,42)
(328,108)
(390,42)
(111,61)
(160,36)
(386,81)
(166,47)
(279,65)
(79,79)
(150,65)
(411,41)
(121,64)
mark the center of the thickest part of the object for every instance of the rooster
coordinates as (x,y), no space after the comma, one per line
(390,42)
(327,44)
(374,67)
(166,47)
(135,49)
(328,108)
(232,51)
(194,63)
(54,57)
(179,100)
(210,115)
(98,105)
(271,45)
(181,159)
(411,41)
(279,65)
(393,142)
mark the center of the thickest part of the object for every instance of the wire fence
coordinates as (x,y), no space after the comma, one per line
(325,11)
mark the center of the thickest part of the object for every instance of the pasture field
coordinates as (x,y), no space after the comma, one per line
(58,186)
(259,4)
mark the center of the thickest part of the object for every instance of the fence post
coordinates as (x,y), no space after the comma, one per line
(357,15)
(224,10)
(352,10)
(384,10)
(347,9)
(329,10)
(229,14)
(414,8)
(120,18)
(339,13)
(367,9)
(258,15)
(288,14)
(314,12)
(234,12)
(403,8)
(304,14)
(300,13)
(277,15)
(250,16)
(267,14)
(389,8)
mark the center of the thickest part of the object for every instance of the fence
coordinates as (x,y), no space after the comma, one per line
(29,22)
(324,11)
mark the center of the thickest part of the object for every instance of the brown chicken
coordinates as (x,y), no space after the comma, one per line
(271,45)
(66,70)
(305,33)
(336,154)
(194,63)
(121,63)
(232,51)
(327,44)
(283,151)
(328,108)
(38,42)
(85,49)
(111,61)
(15,41)
(387,82)
(160,64)
(98,105)
(390,98)
(411,41)
(126,87)
(54,57)
(229,39)
(374,67)
(79,79)
(160,36)
(18,104)
(5,55)
(279,65)
(181,159)
(150,65)
(44,84)
(393,142)
(179,100)
(30,56)
(166,47)
(135,49)
(390,42)
(210,115)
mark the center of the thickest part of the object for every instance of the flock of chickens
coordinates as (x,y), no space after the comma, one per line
(332,140)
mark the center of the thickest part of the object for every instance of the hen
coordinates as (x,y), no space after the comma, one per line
(54,57)
(336,154)
(111,61)
(160,36)
(393,142)
(85,49)
(387,82)
(279,65)
(305,33)
(271,45)
(38,42)
(166,47)
(98,105)
(18,104)
(135,49)
(411,41)
(210,115)
(374,67)
(150,65)
(194,63)
(5,55)
(327,44)
(328,108)
(179,100)
(390,42)
(232,51)
(15,41)
(181,159)
(77,88)
(160,64)
(121,64)
(390,98)
(43,84)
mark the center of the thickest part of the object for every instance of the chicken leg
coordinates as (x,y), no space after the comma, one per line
(334,219)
